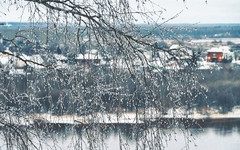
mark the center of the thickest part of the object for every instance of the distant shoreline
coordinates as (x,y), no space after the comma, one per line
(167,24)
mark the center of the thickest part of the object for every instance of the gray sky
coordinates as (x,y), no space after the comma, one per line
(193,11)
(215,11)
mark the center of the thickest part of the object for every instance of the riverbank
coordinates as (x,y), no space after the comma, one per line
(124,118)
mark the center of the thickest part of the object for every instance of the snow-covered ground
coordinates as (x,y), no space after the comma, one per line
(204,65)
(122,118)
(107,118)
(210,40)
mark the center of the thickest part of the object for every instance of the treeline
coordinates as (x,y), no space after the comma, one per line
(88,90)
(200,32)
(223,88)
(188,31)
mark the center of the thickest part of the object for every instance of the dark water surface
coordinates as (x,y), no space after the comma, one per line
(211,136)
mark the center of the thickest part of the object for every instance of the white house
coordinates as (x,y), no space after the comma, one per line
(92,57)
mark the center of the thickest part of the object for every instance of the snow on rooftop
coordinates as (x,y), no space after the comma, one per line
(59,57)
(221,49)
(89,56)
(216,50)
(175,46)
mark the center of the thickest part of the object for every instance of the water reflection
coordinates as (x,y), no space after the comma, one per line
(221,127)
(211,135)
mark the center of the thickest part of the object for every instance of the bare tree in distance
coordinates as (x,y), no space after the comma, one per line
(109,72)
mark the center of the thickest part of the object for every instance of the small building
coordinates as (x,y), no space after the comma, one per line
(89,59)
(220,54)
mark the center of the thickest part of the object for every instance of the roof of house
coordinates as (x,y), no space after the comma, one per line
(221,49)
(93,54)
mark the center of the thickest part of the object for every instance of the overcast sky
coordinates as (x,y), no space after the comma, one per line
(193,11)
(215,11)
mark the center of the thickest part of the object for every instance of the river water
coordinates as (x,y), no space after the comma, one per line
(218,136)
